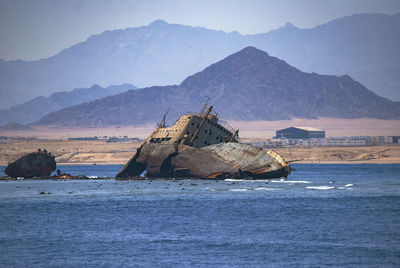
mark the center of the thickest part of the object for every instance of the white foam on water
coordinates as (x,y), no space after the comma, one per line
(93,177)
(265,189)
(283,181)
(320,187)
(236,180)
(349,185)
(238,190)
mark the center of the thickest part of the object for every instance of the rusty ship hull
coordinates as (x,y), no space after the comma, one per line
(219,161)
(198,146)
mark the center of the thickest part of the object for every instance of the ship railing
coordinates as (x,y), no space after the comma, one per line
(227,126)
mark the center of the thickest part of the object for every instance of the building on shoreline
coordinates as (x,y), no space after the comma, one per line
(343,141)
(300,133)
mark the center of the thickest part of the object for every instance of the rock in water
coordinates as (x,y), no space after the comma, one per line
(37,164)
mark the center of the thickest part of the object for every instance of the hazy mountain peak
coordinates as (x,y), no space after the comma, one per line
(289,25)
(251,50)
(95,86)
(158,23)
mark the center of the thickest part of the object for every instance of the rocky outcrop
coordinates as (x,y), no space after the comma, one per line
(37,164)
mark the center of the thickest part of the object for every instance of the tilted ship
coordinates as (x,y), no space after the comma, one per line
(199,146)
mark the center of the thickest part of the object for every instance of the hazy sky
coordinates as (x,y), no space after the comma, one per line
(31,30)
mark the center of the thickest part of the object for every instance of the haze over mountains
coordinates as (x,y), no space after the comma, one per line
(38,107)
(364,46)
(248,85)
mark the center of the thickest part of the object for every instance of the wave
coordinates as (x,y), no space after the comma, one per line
(284,181)
(320,187)
(265,189)
(238,190)
(236,180)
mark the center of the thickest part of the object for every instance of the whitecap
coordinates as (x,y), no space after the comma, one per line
(238,190)
(349,185)
(320,187)
(283,181)
(265,189)
(243,180)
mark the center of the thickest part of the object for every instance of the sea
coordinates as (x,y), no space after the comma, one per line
(322,215)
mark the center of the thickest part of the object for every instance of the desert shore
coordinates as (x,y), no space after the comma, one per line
(55,140)
(103,153)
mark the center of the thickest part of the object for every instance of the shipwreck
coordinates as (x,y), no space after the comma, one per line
(36,164)
(199,146)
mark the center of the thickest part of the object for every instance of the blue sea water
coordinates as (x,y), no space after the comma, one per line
(322,215)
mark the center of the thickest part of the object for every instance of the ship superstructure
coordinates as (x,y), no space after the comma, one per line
(196,130)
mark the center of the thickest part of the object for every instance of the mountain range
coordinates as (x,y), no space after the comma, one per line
(248,85)
(38,107)
(364,46)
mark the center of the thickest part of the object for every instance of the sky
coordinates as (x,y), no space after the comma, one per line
(32,30)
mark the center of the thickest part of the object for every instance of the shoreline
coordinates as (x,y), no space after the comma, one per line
(100,152)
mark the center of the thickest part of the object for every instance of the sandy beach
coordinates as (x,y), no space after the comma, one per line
(14,144)
(101,152)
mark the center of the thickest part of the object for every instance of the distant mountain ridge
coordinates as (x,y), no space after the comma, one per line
(248,85)
(36,108)
(162,53)
(16,126)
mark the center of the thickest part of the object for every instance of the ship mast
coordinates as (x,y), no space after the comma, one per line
(162,123)
(204,106)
